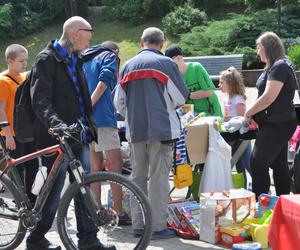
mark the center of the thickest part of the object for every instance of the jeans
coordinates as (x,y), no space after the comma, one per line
(87,232)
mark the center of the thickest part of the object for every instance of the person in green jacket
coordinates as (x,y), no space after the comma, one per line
(197,80)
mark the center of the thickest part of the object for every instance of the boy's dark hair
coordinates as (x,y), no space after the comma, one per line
(173,50)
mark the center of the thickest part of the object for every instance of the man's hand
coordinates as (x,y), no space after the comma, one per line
(10,142)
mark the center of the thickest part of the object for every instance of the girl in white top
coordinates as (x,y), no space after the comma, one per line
(231,83)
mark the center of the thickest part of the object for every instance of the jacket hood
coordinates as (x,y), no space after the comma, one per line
(93,51)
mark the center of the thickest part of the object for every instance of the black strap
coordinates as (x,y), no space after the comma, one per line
(210,107)
(12,79)
(174,158)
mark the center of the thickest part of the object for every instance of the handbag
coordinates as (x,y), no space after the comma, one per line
(183,174)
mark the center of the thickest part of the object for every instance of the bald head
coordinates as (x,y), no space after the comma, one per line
(77,33)
(73,24)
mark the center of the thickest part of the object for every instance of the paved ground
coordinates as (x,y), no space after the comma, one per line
(172,244)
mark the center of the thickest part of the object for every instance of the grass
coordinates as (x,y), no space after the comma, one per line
(127,37)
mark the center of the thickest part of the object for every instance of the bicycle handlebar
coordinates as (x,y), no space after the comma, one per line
(64,130)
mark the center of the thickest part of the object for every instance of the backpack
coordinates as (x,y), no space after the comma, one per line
(24,116)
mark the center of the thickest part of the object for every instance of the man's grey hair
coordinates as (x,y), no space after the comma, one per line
(153,35)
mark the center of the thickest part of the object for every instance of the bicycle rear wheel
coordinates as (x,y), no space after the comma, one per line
(12,231)
(111,232)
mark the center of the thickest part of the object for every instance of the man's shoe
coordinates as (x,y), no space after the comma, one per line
(163,234)
(42,245)
(124,220)
(99,246)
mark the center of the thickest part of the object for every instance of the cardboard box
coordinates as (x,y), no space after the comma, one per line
(187,108)
(196,141)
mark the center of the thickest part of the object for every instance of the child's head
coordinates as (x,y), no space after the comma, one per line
(16,57)
(175,53)
(231,82)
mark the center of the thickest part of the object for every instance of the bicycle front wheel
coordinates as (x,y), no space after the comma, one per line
(12,231)
(112,191)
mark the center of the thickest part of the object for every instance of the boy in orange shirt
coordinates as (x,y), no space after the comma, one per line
(16,57)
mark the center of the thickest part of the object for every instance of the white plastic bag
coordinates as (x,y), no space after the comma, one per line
(217,168)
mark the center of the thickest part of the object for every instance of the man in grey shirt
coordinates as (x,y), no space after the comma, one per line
(150,89)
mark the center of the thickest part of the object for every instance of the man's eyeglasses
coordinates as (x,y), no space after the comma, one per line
(88,30)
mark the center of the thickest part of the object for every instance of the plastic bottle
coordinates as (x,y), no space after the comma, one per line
(39,180)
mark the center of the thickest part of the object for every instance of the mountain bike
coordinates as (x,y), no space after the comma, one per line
(18,215)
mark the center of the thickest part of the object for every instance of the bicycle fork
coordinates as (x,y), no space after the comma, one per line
(98,214)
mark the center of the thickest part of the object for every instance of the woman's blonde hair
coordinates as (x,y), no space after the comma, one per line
(274,48)
(235,81)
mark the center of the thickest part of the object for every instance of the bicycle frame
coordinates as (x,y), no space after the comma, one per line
(64,152)
(12,165)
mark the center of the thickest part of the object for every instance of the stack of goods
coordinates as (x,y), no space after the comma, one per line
(222,214)
(258,227)
(229,217)
(184,216)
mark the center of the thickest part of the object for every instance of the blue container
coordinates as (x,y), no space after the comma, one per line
(247,246)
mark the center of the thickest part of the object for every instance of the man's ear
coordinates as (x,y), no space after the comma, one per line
(161,45)
(142,43)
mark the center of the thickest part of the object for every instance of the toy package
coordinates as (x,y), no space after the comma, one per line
(232,234)
(265,203)
(183,216)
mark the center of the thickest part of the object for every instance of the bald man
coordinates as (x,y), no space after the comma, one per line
(59,98)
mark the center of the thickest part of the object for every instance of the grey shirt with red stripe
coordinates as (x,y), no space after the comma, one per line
(150,89)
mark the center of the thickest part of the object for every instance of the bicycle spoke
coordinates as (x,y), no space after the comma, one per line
(11,230)
(114,228)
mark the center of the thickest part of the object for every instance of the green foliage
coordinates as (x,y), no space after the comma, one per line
(250,60)
(6,16)
(82,7)
(182,20)
(238,34)
(93,2)
(207,40)
(109,2)
(294,56)
(107,11)
(211,7)
(137,11)
(253,5)
(19,18)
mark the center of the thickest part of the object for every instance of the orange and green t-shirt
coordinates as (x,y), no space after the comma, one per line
(8,90)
